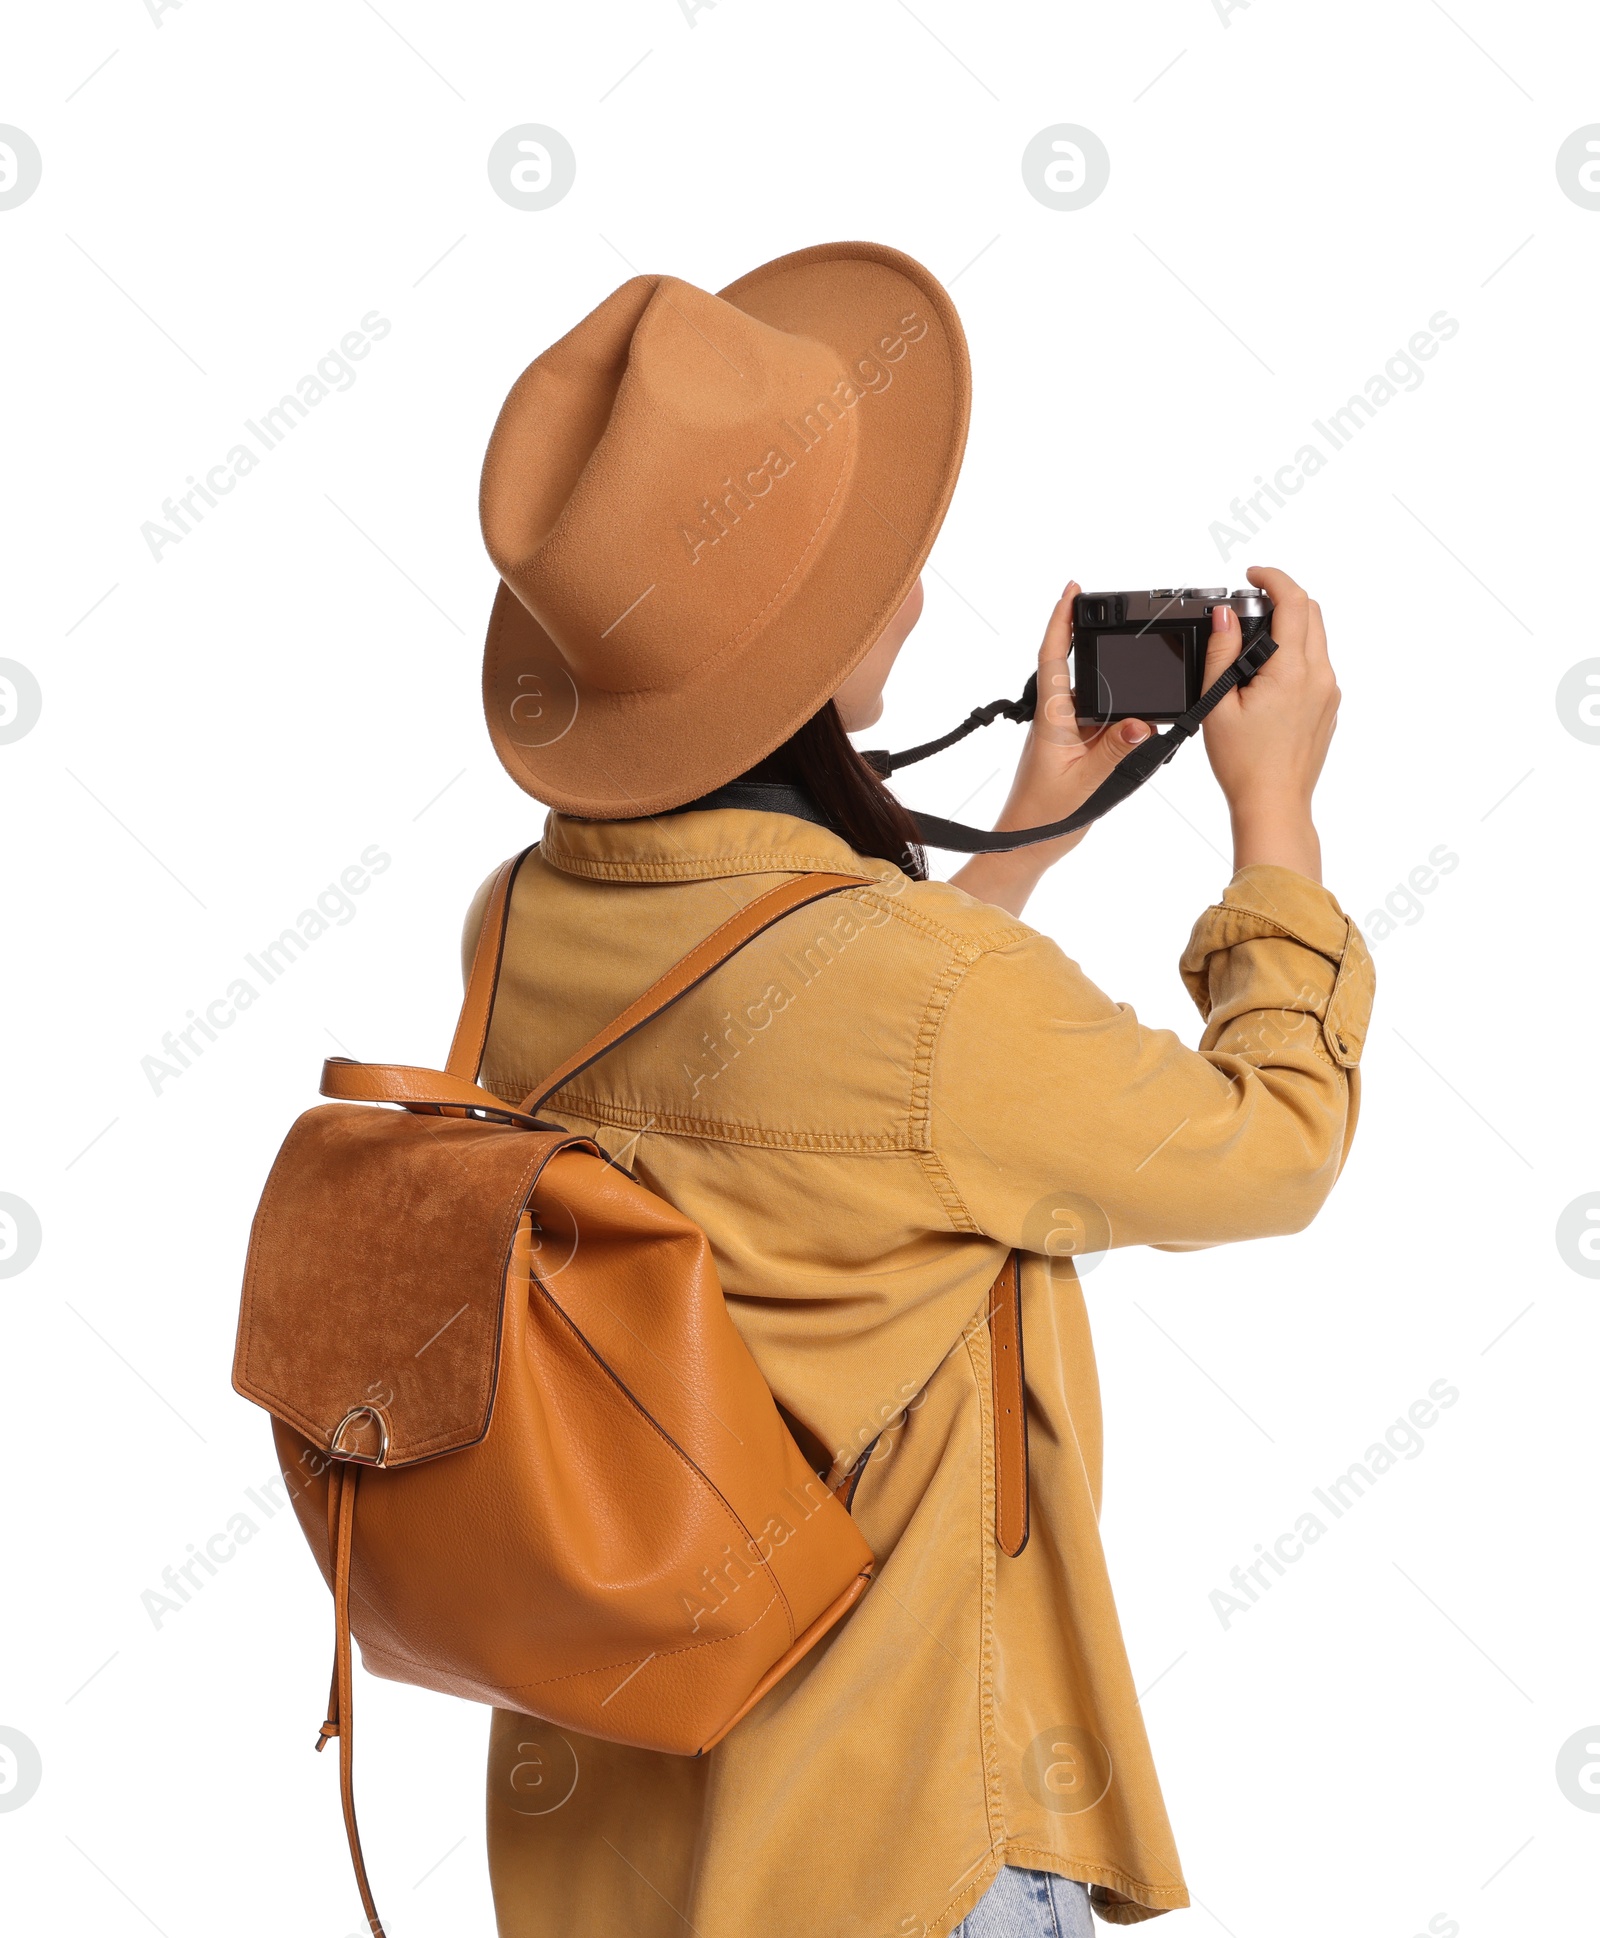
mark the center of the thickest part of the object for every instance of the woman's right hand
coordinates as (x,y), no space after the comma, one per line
(1267,740)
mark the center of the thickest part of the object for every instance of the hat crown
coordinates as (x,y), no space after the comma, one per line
(678,522)
(704,510)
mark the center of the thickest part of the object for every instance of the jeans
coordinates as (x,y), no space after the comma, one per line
(1029,1904)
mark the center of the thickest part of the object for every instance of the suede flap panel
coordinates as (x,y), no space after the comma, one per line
(377,1273)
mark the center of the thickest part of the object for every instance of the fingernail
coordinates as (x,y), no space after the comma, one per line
(1133,731)
(1221,618)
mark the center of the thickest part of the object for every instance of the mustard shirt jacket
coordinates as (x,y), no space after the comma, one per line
(865,1110)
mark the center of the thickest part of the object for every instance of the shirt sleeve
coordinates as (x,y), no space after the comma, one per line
(1065,1125)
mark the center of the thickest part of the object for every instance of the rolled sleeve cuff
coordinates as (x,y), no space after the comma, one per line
(1264,901)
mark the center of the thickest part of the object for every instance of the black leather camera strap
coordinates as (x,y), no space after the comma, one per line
(1130,773)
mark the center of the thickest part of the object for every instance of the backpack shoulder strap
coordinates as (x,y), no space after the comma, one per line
(472,1026)
(477,1005)
(727,940)
(455,1089)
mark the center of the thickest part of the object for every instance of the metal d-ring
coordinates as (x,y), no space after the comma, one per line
(380,1458)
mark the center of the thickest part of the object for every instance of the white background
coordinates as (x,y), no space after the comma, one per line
(1375,1742)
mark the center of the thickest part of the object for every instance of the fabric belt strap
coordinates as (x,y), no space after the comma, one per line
(955,837)
(763,797)
(1129,774)
(1010,1410)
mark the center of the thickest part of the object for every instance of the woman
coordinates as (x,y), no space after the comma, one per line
(710,515)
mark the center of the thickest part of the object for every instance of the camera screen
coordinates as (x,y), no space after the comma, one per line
(1140,672)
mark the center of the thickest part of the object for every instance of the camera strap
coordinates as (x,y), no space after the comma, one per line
(1129,774)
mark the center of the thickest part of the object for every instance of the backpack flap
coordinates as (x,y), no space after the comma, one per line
(374,1291)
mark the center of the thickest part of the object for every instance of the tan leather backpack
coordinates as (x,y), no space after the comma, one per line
(578,1499)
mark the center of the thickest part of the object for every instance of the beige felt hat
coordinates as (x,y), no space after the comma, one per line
(704,510)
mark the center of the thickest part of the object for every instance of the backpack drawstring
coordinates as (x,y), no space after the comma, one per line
(340,1721)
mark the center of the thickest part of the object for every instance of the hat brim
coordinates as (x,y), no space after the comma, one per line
(614,756)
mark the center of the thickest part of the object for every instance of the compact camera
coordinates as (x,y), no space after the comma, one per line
(1142,655)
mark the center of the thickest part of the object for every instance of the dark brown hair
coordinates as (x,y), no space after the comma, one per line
(819,758)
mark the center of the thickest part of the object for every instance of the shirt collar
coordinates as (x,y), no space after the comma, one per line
(700,846)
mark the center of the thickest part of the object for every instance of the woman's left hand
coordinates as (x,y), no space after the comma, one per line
(1061,766)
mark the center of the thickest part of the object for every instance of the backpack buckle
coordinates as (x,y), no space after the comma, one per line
(354,1454)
